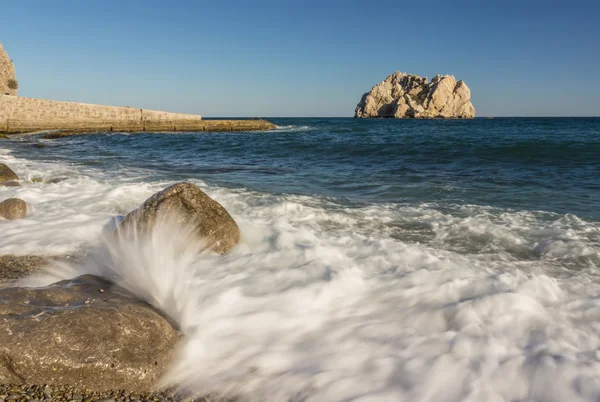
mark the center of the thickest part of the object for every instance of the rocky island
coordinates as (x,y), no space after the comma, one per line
(403,95)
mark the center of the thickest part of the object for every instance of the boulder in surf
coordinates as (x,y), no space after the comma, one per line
(6,174)
(84,332)
(186,204)
(13,208)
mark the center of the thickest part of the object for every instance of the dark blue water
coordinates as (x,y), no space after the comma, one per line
(549,164)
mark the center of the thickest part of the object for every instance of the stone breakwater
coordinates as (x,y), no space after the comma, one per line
(403,95)
(23,115)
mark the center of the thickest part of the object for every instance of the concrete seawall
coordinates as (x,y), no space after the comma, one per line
(22,115)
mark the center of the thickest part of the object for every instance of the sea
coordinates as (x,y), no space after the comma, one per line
(380,260)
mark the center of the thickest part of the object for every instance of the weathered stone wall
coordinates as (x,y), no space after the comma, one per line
(7,73)
(13,108)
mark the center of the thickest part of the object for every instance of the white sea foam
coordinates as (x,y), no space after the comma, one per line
(323,302)
(292,128)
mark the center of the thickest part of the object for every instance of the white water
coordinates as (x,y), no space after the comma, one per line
(321,302)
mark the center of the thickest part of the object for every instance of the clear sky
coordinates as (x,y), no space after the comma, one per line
(304,57)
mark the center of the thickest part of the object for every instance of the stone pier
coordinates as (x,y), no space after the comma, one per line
(23,115)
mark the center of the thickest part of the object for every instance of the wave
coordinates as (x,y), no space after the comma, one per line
(292,128)
(331,300)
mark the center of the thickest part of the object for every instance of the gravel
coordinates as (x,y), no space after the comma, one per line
(38,393)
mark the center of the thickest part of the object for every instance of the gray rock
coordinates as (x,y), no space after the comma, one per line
(13,208)
(52,336)
(6,174)
(403,95)
(185,203)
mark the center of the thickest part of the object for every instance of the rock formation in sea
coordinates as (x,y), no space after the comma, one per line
(185,203)
(403,95)
(84,332)
(8,79)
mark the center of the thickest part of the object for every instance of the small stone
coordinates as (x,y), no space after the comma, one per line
(47,391)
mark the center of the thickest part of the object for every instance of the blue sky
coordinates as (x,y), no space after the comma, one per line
(304,58)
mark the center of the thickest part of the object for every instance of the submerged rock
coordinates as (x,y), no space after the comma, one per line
(16,267)
(6,174)
(13,208)
(185,203)
(13,267)
(403,95)
(84,332)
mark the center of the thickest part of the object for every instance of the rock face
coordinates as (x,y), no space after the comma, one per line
(8,80)
(6,174)
(13,208)
(84,333)
(404,95)
(186,204)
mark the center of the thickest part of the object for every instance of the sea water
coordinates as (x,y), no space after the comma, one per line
(380,260)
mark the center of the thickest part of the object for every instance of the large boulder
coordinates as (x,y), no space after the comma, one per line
(403,95)
(6,174)
(85,333)
(186,204)
(13,208)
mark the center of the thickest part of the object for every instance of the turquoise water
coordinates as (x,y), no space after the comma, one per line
(387,260)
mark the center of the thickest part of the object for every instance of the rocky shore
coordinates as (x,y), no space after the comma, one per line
(100,342)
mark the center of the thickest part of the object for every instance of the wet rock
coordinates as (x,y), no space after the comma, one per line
(11,183)
(13,208)
(56,180)
(111,342)
(185,203)
(6,174)
(16,267)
